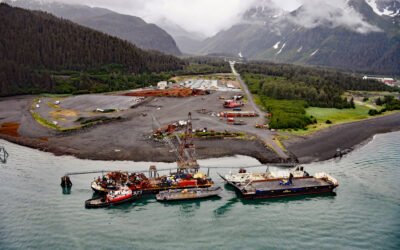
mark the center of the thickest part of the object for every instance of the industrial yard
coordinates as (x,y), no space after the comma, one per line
(120,126)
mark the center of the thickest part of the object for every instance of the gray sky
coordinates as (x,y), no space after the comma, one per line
(207,17)
(202,16)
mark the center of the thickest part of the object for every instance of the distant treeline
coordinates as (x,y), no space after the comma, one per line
(319,87)
(287,90)
(204,65)
(34,44)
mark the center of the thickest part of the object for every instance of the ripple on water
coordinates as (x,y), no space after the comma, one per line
(365,213)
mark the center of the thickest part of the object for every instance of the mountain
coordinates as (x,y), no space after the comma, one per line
(133,29)
(33,43)
(349,36)
(188,42)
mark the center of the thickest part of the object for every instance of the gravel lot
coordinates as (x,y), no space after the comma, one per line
(129,138)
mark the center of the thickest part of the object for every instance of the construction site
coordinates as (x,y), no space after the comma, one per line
(121,126)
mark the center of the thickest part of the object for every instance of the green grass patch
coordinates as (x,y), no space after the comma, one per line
(211,134)
(85,121)
(336,116)
(44,122)
(55,95)
(53,105)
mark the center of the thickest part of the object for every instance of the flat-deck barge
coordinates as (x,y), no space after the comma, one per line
(273,188)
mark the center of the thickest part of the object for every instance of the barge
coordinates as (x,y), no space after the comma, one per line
(320,183)
(138,181)
(188,194)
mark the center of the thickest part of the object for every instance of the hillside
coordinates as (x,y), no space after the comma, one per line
(369,44)
(33,43)
(133,29)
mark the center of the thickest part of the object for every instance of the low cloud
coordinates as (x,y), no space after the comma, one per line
(211,16)
(338,13)
(201,16)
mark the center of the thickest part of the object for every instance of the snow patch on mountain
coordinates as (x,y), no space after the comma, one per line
(299,49)
(315,52)
(283,46)
(276,46)
(384,12)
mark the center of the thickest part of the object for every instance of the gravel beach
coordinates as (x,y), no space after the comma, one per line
(129,138)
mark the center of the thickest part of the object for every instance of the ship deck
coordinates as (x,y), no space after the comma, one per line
(296,183)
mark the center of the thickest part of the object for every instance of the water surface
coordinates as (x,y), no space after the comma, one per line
(364,213)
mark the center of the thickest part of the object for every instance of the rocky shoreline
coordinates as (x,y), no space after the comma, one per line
(126,140)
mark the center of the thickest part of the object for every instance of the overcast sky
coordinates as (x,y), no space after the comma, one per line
(203,16)
(207,17)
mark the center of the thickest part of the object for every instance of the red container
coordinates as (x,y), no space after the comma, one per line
(186,183)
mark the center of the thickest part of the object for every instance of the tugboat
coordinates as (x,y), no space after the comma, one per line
(188,194)
(122,195)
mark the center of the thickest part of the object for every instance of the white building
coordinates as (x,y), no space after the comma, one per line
(386,80)
(162,85)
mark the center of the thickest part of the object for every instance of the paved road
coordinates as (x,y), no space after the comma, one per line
(265,135)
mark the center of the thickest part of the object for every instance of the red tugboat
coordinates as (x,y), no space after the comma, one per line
(116,197)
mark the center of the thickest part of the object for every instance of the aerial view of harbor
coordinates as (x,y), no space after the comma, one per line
(143,125)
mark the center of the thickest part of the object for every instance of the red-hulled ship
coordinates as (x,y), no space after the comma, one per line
(116,197)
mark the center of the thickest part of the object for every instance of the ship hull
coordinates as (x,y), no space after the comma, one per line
(289,193)
(181,195)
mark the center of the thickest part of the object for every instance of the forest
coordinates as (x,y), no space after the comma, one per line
(34,45)
(203,65)
(287,90)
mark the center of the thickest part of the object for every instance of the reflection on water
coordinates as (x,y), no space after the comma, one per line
(226,207)
(282,200)
(66,190)
(364,213)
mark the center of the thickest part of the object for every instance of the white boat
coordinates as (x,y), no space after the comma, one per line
(245,177)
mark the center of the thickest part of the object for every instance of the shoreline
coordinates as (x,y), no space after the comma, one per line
(255,148)
(322,145)
(205,149)
(128,139)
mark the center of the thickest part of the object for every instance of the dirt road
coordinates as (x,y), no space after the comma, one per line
(265,135)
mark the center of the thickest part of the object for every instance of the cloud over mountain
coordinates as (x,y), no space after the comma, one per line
(338,13)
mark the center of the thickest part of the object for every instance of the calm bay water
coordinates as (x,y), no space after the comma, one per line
(364,213)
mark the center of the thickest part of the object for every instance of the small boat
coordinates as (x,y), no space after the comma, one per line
(244,177)
(122,195)
(188,194)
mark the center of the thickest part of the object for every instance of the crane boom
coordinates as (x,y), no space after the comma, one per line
(166,139)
